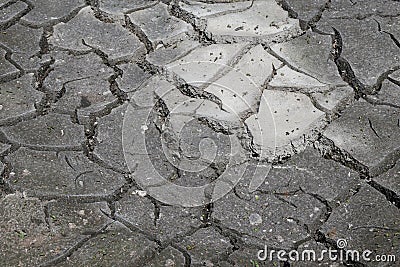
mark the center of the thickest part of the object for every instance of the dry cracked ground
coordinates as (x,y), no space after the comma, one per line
(98,95)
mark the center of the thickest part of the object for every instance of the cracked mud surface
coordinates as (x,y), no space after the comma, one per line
(294,103)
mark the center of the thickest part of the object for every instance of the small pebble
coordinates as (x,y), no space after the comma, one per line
(255,219)
(169,263)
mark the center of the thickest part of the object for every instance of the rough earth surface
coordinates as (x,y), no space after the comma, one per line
(292,105)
